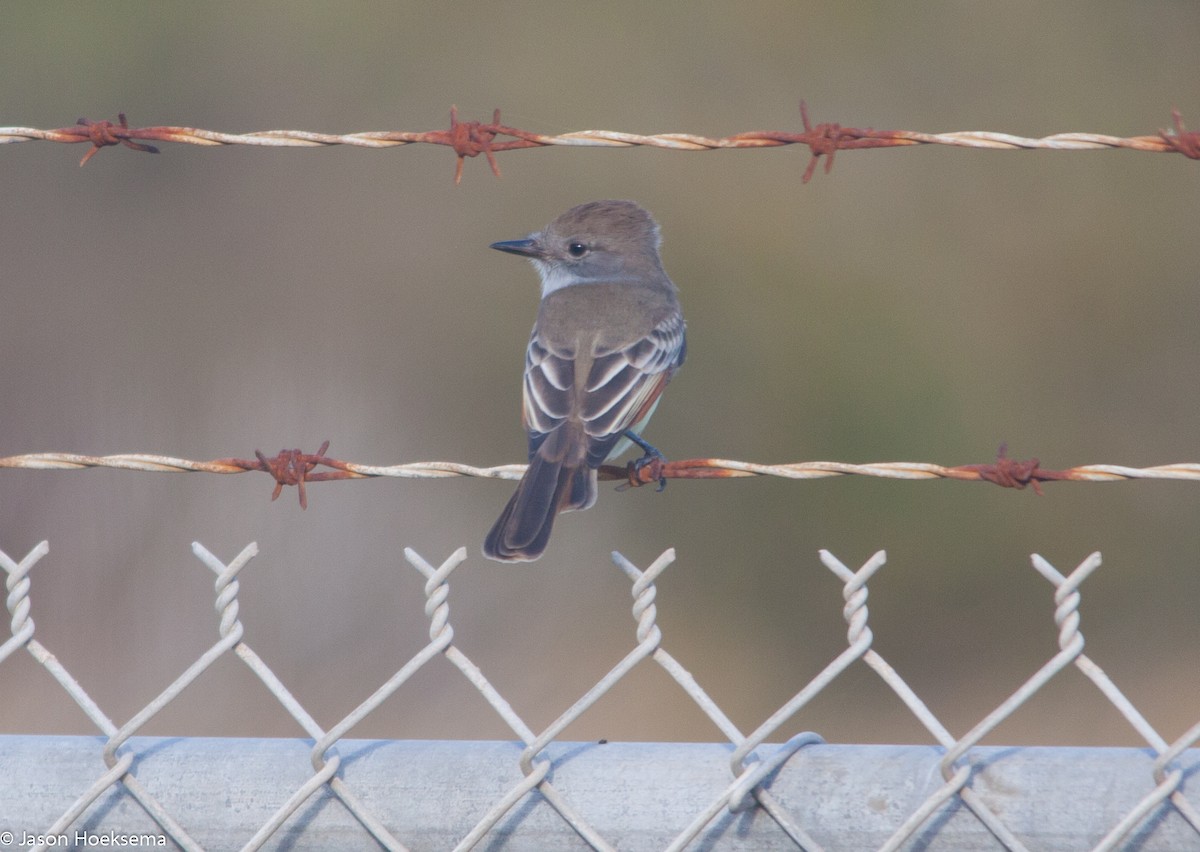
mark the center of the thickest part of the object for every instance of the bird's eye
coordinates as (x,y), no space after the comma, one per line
(577,249)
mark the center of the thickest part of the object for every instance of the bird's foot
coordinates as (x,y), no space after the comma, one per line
(649,468)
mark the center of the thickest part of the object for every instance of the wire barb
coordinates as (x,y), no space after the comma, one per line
(1184,141)
(104,133)
(292,467)
(1010,473)
(470,139)
(823,140)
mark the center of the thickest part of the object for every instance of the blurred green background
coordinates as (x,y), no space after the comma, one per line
(916,304)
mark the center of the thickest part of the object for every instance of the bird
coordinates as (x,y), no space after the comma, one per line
(608,338)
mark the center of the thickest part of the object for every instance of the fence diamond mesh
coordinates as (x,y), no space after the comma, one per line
(749,792)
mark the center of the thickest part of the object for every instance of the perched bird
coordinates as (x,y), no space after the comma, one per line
(609,335)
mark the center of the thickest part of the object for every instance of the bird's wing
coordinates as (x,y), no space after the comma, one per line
(621,386)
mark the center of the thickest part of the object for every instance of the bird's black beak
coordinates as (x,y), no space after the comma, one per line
(526,247)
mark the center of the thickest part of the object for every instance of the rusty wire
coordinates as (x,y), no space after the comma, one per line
(472,138)
(294,467)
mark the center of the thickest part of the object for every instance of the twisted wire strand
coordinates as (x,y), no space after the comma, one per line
(601,139)
(294,467)
(472,138)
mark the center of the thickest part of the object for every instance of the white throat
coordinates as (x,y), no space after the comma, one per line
(555,277)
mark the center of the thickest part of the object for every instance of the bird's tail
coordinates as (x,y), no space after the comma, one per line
(548,487)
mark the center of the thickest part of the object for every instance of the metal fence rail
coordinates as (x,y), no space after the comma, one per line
(639,796)
(934,793)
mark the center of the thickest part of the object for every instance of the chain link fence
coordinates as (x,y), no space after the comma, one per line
(540,792)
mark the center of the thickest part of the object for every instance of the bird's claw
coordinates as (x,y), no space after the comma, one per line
(647,469)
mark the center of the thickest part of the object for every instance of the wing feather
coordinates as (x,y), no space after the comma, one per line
(622,385)
(619,391)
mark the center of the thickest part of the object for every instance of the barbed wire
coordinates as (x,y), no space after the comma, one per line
(297,468)
(472,138)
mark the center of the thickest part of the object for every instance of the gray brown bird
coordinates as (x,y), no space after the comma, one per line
(609,335)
